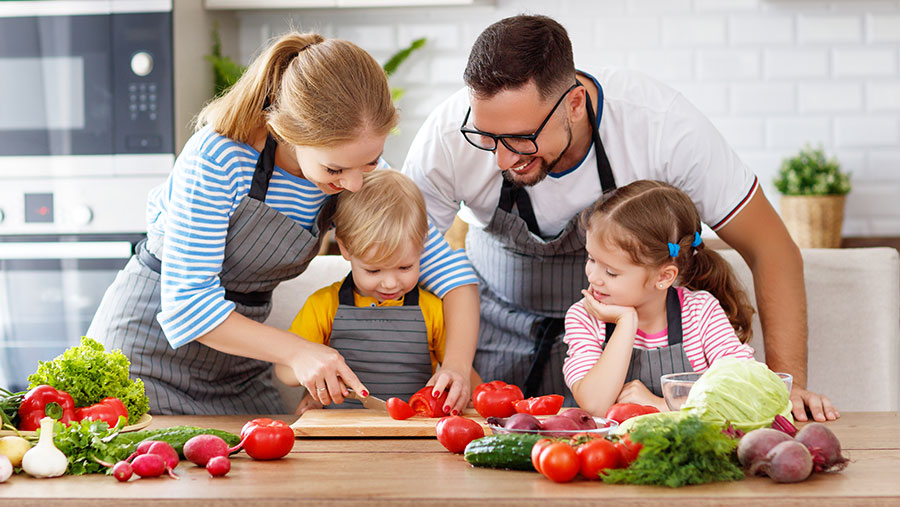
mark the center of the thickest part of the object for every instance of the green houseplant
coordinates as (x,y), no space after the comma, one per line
(814,189)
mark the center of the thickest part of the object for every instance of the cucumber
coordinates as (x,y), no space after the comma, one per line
(176,436)
(511,451)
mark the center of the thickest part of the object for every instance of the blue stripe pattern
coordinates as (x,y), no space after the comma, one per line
(192,210)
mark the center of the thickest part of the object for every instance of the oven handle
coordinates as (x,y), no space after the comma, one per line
(65,250)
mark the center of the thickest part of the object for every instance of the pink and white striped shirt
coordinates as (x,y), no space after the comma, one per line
(707,335)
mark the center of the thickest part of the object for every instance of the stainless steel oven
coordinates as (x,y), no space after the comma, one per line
(86,130)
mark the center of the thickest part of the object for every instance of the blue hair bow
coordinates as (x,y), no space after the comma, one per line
(697,240)
(673,249)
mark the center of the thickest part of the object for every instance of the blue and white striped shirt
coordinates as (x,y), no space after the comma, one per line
(192,210)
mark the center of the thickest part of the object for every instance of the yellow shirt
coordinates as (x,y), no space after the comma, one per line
(314,320)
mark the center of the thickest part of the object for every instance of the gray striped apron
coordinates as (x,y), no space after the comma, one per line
(649,365)
(527,284)
(386,347)
(263,248)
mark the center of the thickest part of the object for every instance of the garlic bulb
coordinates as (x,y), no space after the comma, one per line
(44,459)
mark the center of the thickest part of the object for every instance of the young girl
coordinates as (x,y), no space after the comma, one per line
(243,210)
(658,301)
(389,330)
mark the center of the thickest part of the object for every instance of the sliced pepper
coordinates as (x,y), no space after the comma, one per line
(107,410)
(425,404)
(45,401)
(540,405)
(496,398)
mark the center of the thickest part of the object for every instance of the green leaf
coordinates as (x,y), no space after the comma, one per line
(400,56)
(811,173)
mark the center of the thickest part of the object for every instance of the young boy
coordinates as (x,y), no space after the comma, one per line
(389,331)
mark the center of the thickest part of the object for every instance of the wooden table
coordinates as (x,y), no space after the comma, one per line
(419,471)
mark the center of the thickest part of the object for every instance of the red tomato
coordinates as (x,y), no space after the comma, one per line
(597,455)
(265,438)
(536,451)
(399,409)
(628,450)
(541,405)
(559,463)
(425,404)
(621,412)
(496,399)
(455,432)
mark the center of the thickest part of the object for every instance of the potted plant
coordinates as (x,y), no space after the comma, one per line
(813,190)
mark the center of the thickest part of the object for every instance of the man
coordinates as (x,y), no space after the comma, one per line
(531,142)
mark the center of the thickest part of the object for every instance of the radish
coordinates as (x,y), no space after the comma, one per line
(202,448)
(122,471)
(788,461)
(824,447)
(142,448)
(149,465)
(160,448)
(757,443)
(218,466)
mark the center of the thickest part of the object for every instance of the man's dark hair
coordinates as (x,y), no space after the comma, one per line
(515,50)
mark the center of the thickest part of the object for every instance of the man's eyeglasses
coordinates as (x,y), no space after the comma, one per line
(521,144)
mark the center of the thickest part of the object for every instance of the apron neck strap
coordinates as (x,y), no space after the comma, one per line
(345,293)
(265,165)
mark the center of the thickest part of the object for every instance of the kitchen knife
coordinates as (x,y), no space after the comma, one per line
(370,402)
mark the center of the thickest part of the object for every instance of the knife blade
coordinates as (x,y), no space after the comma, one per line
(370,402)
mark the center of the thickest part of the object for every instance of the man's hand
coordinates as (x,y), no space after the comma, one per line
(818,405)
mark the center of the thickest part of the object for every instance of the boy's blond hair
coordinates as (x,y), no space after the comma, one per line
(380,219)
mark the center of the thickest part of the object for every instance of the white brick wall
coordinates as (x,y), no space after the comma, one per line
(772,75)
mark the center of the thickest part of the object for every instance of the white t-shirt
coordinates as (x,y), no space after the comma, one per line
(649,131)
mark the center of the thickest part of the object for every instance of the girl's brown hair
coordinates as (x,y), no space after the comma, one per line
(643,217)
(308,91)
(380,219)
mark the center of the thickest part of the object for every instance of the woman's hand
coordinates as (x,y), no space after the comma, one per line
(636,392)
(307,403)
(458,383)
(323,372)
(608,313)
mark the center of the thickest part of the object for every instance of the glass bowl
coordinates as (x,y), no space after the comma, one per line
(604,427)
(677,386)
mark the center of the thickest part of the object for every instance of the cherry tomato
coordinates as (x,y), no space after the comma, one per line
(597,455)
(455,432)
(620,412)
(399,409)
(536,451)
(559,463)
(496,399)
(541,405)
(628,450)
(267,438)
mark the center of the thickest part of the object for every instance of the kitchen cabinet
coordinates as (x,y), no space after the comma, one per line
(334,4)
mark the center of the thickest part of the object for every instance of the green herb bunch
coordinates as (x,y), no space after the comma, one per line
(679,452)
(89,374)
(90,446)
(811,173)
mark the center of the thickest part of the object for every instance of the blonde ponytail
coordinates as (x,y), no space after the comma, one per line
(319,92)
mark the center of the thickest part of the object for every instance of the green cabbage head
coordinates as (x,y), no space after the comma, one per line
(743,392)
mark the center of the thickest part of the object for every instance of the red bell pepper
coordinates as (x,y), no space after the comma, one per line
(425,404)
(107,410)
(265,438)
(496,399)
(621,412)
(541,405)
(45,401)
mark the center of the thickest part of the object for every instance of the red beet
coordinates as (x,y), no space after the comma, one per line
(788,461)
(757,443)
(218,466)
(824,447)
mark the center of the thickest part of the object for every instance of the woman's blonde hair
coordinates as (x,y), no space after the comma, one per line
(380,219)
(643,217)
(308,91)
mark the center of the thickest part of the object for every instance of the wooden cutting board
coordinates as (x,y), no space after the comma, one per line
(368,423)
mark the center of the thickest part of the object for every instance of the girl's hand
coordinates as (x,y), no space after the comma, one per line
(608,313)
(323,372)
(636,392)
(458,382)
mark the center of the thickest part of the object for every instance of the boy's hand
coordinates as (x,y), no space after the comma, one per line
(458,382)
(608,313)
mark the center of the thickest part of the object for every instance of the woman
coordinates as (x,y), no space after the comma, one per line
(244,209)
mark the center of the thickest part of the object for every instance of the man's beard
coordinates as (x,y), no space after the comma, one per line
(543,168)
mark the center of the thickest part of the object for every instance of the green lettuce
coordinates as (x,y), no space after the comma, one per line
(742,392)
